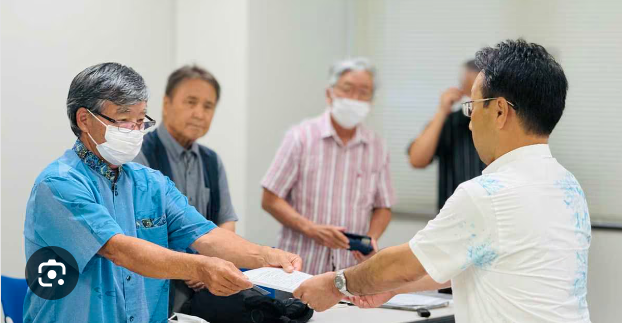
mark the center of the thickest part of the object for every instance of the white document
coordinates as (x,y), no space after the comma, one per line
(184,318)
(277,278)
(415,300)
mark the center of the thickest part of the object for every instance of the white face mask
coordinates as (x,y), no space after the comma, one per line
(120,147)
(349,113)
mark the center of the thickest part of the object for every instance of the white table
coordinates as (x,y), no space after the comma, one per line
(344,314)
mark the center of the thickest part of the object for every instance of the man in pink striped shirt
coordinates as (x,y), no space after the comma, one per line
(331,175)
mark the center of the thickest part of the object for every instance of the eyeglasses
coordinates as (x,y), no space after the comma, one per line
(350,91)
(128,126)
(467,107)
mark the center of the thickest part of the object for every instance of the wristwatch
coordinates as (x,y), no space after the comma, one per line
(340,283)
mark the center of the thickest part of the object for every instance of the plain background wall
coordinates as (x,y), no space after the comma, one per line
(272,59)
(214,34)
(44,45)
(419,57)
(288,75)
(586,37)
(1,313)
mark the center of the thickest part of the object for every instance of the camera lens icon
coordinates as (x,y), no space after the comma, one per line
(52,273)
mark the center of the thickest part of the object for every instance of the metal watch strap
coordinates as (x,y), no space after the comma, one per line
(344,289)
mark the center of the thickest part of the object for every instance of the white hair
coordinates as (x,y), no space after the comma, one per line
(350,64)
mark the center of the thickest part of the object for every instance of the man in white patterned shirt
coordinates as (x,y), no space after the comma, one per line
(512,243)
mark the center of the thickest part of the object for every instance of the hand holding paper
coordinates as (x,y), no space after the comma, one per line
(282,259)
(319,292)
(277,278)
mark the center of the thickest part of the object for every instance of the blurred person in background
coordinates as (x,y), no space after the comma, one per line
(447,137)
(331,175)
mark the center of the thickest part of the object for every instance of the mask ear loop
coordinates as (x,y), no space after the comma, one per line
(96,118)
(92,138)
(333,97)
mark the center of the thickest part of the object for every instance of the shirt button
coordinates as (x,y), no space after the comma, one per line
(129,278)
(131,319)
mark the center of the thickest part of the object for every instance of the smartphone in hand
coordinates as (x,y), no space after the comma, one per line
(360,243)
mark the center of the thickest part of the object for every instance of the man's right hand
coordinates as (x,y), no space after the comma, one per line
(329,236)
(222,277)
(449,98)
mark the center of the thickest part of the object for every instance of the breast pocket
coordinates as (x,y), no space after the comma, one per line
(366,187)
(152,228)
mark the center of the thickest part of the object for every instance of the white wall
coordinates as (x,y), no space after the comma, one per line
(44,45)
(604,282)
(1,312)
(291,46)
(214,34)
(585,35)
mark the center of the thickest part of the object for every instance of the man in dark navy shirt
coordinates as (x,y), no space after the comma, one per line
(448,138)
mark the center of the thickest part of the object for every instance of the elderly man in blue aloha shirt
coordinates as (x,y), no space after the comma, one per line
(121,220)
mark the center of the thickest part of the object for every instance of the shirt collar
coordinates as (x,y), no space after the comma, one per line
(525,152)
(327,130)
(95,163)
(172,146)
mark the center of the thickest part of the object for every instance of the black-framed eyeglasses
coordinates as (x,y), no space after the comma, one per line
(128,126)
(467,107)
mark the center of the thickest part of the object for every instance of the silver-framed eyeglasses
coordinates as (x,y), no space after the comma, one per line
(467,107)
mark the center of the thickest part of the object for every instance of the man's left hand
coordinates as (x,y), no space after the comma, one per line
(371,301)
(319,292)
(361,257)
(282,259)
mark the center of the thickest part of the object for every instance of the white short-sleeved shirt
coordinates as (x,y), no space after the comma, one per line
(514,242)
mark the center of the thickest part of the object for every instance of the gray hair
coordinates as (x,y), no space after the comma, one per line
(350,64)
(111,82)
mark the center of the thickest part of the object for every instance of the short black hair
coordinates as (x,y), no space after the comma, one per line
(470,65)
(191,72)
(529,77)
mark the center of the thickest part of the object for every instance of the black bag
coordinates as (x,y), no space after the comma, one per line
(248,306)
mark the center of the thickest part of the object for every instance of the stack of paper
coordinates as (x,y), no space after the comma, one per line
(277,278)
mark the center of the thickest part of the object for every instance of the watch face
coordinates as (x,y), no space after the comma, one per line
(339,282)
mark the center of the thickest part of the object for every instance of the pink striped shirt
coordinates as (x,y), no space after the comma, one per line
(329,183)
